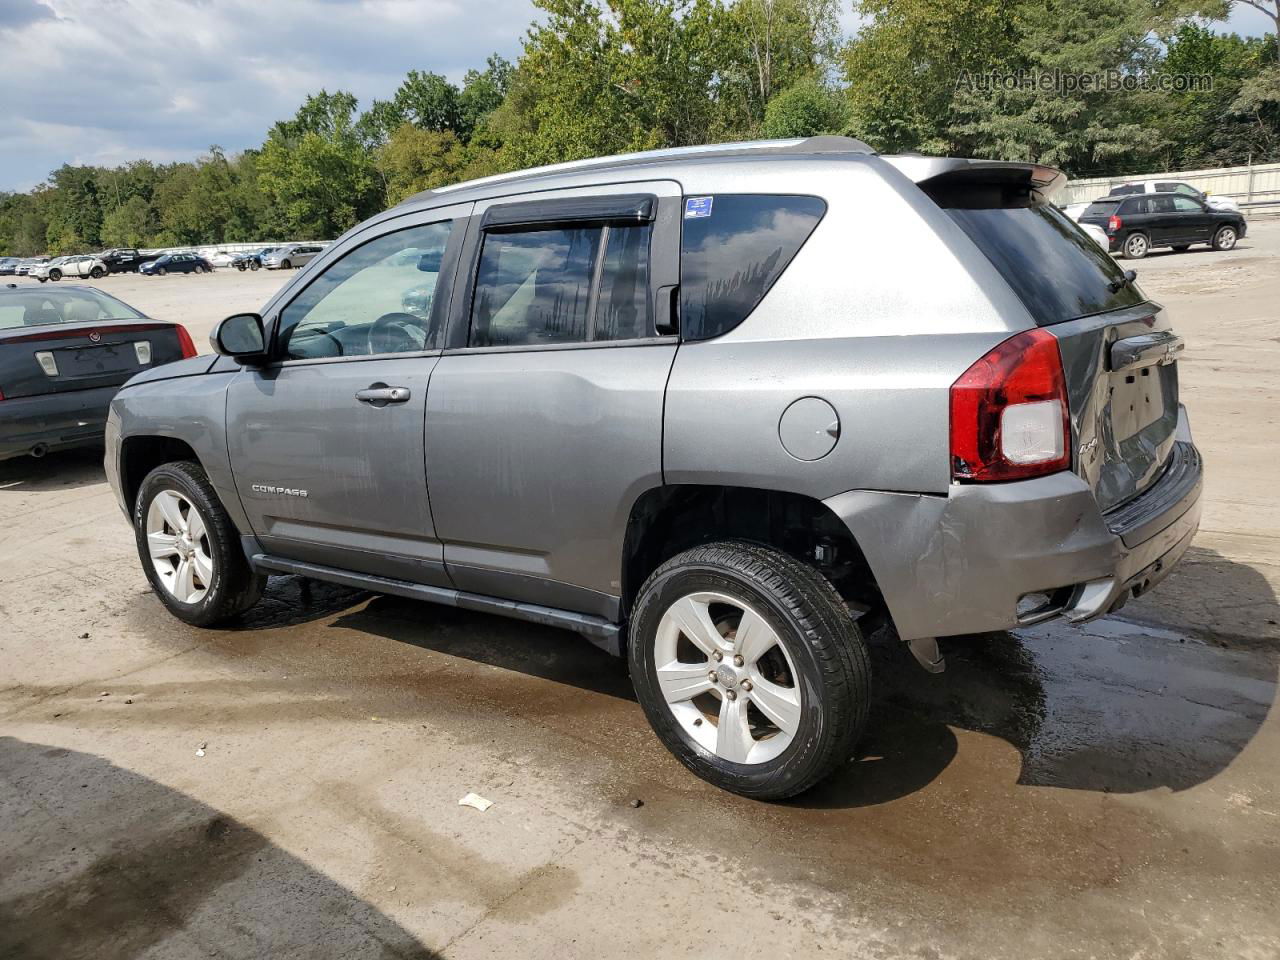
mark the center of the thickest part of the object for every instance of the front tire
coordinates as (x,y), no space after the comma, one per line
(1136,246)
(285,265)
(749,668)
(1225,238)
(161,271)
(97,273)
(55,275)
(189,547)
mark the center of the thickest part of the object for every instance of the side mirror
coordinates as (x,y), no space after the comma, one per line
(240,337)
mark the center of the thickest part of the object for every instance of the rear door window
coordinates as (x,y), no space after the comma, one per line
(733,248)
(1053,266)
(1135,206)
(544,286)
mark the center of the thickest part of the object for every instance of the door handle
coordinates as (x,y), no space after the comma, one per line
(379,394)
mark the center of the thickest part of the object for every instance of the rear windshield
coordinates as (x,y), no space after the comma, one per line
(1053,266)
(39,307)
(1101,208)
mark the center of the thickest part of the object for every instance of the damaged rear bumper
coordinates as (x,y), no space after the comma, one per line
(965,562)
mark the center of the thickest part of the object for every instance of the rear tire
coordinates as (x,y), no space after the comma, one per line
(1225,238)
(789,664)
(1136,246)
(232,587)
(255,266)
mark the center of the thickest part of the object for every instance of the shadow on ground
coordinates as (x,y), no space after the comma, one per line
(1114,706)
(99,862)
(64,470)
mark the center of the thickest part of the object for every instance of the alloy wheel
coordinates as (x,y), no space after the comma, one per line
(1136,246)
(727,678)
(179,545)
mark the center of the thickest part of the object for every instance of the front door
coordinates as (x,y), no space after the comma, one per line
(326,442)
(1195,222)
(544,418)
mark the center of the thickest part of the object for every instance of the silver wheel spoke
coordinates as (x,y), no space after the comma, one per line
(162,545)
(754,637)
(694,621)
(733,736)
(183,584)
(780,704)
(683,681)
(204,568)
(195,525)
(169,509)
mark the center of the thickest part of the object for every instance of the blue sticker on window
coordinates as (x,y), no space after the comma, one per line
(697,207)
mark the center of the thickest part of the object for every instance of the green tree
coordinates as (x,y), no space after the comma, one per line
(317,170)
(132,224)
(413,160)
(807,108)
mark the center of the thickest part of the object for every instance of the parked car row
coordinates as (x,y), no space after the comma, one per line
(158,263)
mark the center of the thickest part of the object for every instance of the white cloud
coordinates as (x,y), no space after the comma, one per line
(104,81)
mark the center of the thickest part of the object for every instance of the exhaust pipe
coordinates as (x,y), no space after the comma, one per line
(39,450)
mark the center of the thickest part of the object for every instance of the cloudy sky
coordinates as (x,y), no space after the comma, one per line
(106,81)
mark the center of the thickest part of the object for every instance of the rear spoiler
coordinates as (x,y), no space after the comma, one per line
(932,174)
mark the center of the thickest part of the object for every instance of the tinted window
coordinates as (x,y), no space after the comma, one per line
(1165,187)
(731,253)
(534,287)
(1160,205)
(1186,205)
(1135,206)
(1056,270)
(376,299)
(1125,190)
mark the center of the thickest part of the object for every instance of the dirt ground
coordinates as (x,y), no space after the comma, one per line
(1110,791)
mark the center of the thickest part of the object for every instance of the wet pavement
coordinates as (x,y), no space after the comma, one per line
(1103,791)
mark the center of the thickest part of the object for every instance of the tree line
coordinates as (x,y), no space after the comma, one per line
(599,77)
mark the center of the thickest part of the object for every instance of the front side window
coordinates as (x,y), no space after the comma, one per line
(570,284)
(1186,205)
(733,248)
(376,299)
(1187,190)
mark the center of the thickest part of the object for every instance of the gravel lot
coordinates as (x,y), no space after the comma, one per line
(1110,791)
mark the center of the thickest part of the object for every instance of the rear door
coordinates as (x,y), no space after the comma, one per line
(544,421)
(1118,348)
(326,442)
(1195,222)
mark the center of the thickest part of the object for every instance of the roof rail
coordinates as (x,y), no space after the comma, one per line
(794,145)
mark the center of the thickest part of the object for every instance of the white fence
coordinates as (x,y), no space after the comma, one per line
(1254,187)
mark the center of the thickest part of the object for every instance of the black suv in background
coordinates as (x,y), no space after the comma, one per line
(123,259)
(1135,224)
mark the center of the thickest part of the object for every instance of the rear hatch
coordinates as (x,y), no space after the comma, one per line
(1118,350)
(51,358)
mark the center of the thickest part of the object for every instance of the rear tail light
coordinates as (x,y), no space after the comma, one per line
(1009,413)
(184,341)
(1114,223)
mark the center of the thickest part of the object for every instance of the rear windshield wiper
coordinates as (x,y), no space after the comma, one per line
(1124,281)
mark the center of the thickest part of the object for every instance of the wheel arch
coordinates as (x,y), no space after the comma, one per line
(670,519)
(141,454)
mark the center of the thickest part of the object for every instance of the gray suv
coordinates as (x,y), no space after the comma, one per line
(725,411)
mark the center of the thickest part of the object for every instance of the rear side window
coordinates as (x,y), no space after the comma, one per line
(1053,266)
(571,284)
(1136,206)
(733,248)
